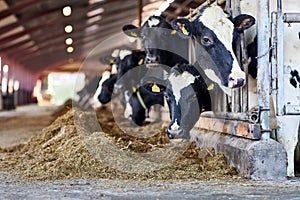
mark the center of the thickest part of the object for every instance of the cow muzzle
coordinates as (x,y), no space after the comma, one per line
(152,59)
(176,134)
(236,80)
(117,88)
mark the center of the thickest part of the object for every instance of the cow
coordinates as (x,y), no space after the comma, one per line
(214,36)
(142,99)
(127,60)
(104,91)
(107,88)
(161,42)
(187,96)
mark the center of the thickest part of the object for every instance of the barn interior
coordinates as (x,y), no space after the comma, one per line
(34,40)
(51,49)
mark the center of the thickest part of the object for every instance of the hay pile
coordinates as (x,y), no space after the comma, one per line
(60,151)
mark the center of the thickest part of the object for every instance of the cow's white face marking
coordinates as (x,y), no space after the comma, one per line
(105,76)
(175,126)
(153,22)
(216,20)
(115,53)
(212,75)
(179,82)
(114,69)
(124,53)
(128,108)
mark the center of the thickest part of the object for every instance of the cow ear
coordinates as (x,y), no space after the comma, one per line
(183,27)
(131,30)
(243,22)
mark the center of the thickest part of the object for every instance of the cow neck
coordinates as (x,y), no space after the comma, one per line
(138,94)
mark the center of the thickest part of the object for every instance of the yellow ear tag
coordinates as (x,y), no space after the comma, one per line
(184,31)
(211,86)
(133,34)
(133,89)
(141,61)
(155,88)
(112,61)
(173,32)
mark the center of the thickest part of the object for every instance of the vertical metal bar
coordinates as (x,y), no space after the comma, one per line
(236,94)
(244,97)
(227,6)
(273,56)
(263,72)
(1,103)
(279,54)
(140,12)
(224,96)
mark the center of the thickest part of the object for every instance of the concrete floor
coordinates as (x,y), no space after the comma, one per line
(120,189)
(11,188)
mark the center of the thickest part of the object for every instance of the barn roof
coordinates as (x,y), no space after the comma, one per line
(32,31)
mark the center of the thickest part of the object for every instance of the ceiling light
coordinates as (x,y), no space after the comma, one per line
(95,12)
(16,85)
(67,11)
(5,68)
(70,49)
(69,41)
(68,29)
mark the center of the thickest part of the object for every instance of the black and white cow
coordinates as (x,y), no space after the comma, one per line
(127,60)
(214,36)
(105,86)
(161,42)
(142,99)
(162,46)
(107,89)
(187,95)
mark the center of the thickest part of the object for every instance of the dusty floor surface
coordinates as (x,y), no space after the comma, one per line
(24,125)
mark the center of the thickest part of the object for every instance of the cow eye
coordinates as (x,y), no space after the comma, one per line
(206,41)
(167,96)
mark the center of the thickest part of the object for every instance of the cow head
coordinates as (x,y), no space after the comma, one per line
(128,59)
(213,34)
(162,43)
(107,89)
(97,101)
(143,98)
(186,95)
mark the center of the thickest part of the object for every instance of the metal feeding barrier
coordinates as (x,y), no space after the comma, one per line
(287,115)
(240,120)
(258,122)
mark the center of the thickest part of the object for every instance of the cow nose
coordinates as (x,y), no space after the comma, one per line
(236,80)
(151,59)
(117,88)
(235,83)
(173,134)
